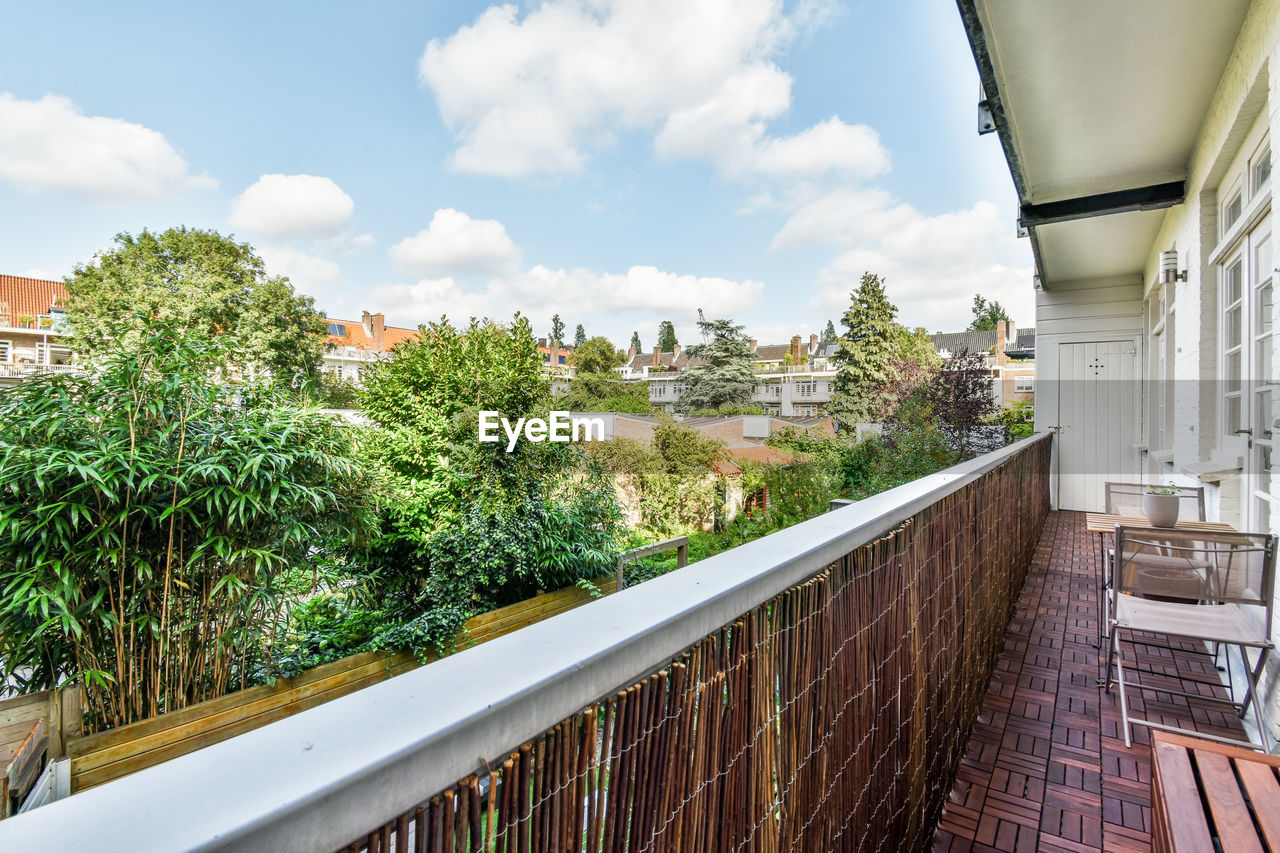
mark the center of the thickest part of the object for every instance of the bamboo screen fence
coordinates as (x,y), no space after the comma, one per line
(832,717)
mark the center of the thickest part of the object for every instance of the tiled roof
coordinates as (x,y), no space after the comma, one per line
(22,296)
(356,337)
(772,352)
(953,342)
(1026,338)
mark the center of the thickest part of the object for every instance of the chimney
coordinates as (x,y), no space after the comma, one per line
(379,328)
(675,353)
(795,350)
(1001,358)
(753,344)
(553,357)
(813,344)
(366,320)
(657,356)
(631,353)
(542,342)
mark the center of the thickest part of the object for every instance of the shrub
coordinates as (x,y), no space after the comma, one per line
(151,515)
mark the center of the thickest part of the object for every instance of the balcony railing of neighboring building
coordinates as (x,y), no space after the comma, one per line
(25,371)
(813,689)
(783,369)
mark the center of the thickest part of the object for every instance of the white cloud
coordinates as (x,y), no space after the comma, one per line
(454,243)
(932,265)
(315,276)
(844,217)
(538,92)
(590,298)
(292,206)
(50,146)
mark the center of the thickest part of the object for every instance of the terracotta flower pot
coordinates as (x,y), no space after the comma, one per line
(1162,510)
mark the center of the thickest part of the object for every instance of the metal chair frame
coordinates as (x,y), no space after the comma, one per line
(1218,546)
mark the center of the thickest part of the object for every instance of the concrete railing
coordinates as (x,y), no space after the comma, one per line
(324,777)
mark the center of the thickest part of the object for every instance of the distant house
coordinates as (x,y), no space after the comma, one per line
(793,379)
(32,327)
(555,357)
(1010,353)
(350,345)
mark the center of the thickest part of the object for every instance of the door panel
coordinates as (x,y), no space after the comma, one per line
(1097,414)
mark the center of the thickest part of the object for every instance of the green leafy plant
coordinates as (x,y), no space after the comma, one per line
(1157,489)
(152,514)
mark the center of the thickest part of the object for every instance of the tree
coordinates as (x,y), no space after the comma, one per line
(579,336)
(725,378)
(635,342)
(666,337)
(596,355)
(201,284)
(469,526)
(595,386)
(557,329)
(986,315)
(866,352)
(829,333)
(153,512)
(960,394)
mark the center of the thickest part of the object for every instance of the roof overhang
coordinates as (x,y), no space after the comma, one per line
(1098,105)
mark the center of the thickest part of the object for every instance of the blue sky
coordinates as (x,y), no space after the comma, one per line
(617,163)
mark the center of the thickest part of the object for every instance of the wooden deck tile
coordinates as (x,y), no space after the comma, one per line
(1046,767)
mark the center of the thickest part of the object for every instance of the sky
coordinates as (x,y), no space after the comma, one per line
(617,163)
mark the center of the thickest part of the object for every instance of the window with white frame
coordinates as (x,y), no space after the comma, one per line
(6,352)
(1024,384)
(1245,261)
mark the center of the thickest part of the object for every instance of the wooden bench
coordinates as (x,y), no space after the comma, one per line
(1204,792)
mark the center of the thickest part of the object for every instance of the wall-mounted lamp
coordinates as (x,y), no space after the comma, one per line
(1169,268)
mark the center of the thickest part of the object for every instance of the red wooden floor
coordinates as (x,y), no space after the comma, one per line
(1046,766)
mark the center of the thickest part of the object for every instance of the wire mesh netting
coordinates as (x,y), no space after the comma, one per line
(831,717)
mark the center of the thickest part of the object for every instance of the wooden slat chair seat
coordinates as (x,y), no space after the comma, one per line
(22,748)
(1208,796)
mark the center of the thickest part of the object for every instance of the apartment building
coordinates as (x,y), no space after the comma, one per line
(350,345)
(32,327)
(794,379)
(1010,354)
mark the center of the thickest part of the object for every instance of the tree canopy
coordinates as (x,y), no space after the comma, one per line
(667,336)
(829,333)
(725,379)
(986,314)
(202,284)
(595,386)
(635,342)
(866,353)
(579,336)
(557,329)
(596,355)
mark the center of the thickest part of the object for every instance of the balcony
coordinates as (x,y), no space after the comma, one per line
(788,369)
(917,668)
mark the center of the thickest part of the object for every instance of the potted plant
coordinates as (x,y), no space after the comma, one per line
(1161,505)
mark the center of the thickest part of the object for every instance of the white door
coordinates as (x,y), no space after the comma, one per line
(1249,324)
(1097,419)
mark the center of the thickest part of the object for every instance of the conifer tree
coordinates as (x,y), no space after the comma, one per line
(557,329)
(635,341)
(866,353)
(667,336)
(579,336)
(726,379)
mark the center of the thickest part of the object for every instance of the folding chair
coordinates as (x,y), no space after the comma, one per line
(1125,499)
(1214,587)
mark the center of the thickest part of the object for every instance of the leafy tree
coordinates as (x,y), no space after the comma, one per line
(152,512)
(635,342)
(960,396)
(557,329)
(579,336)
(202,284)
(829,333)
(866,352)
(469,526)
(667,336)
(596,355)
(725,378)
(986,315)
(596,387)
